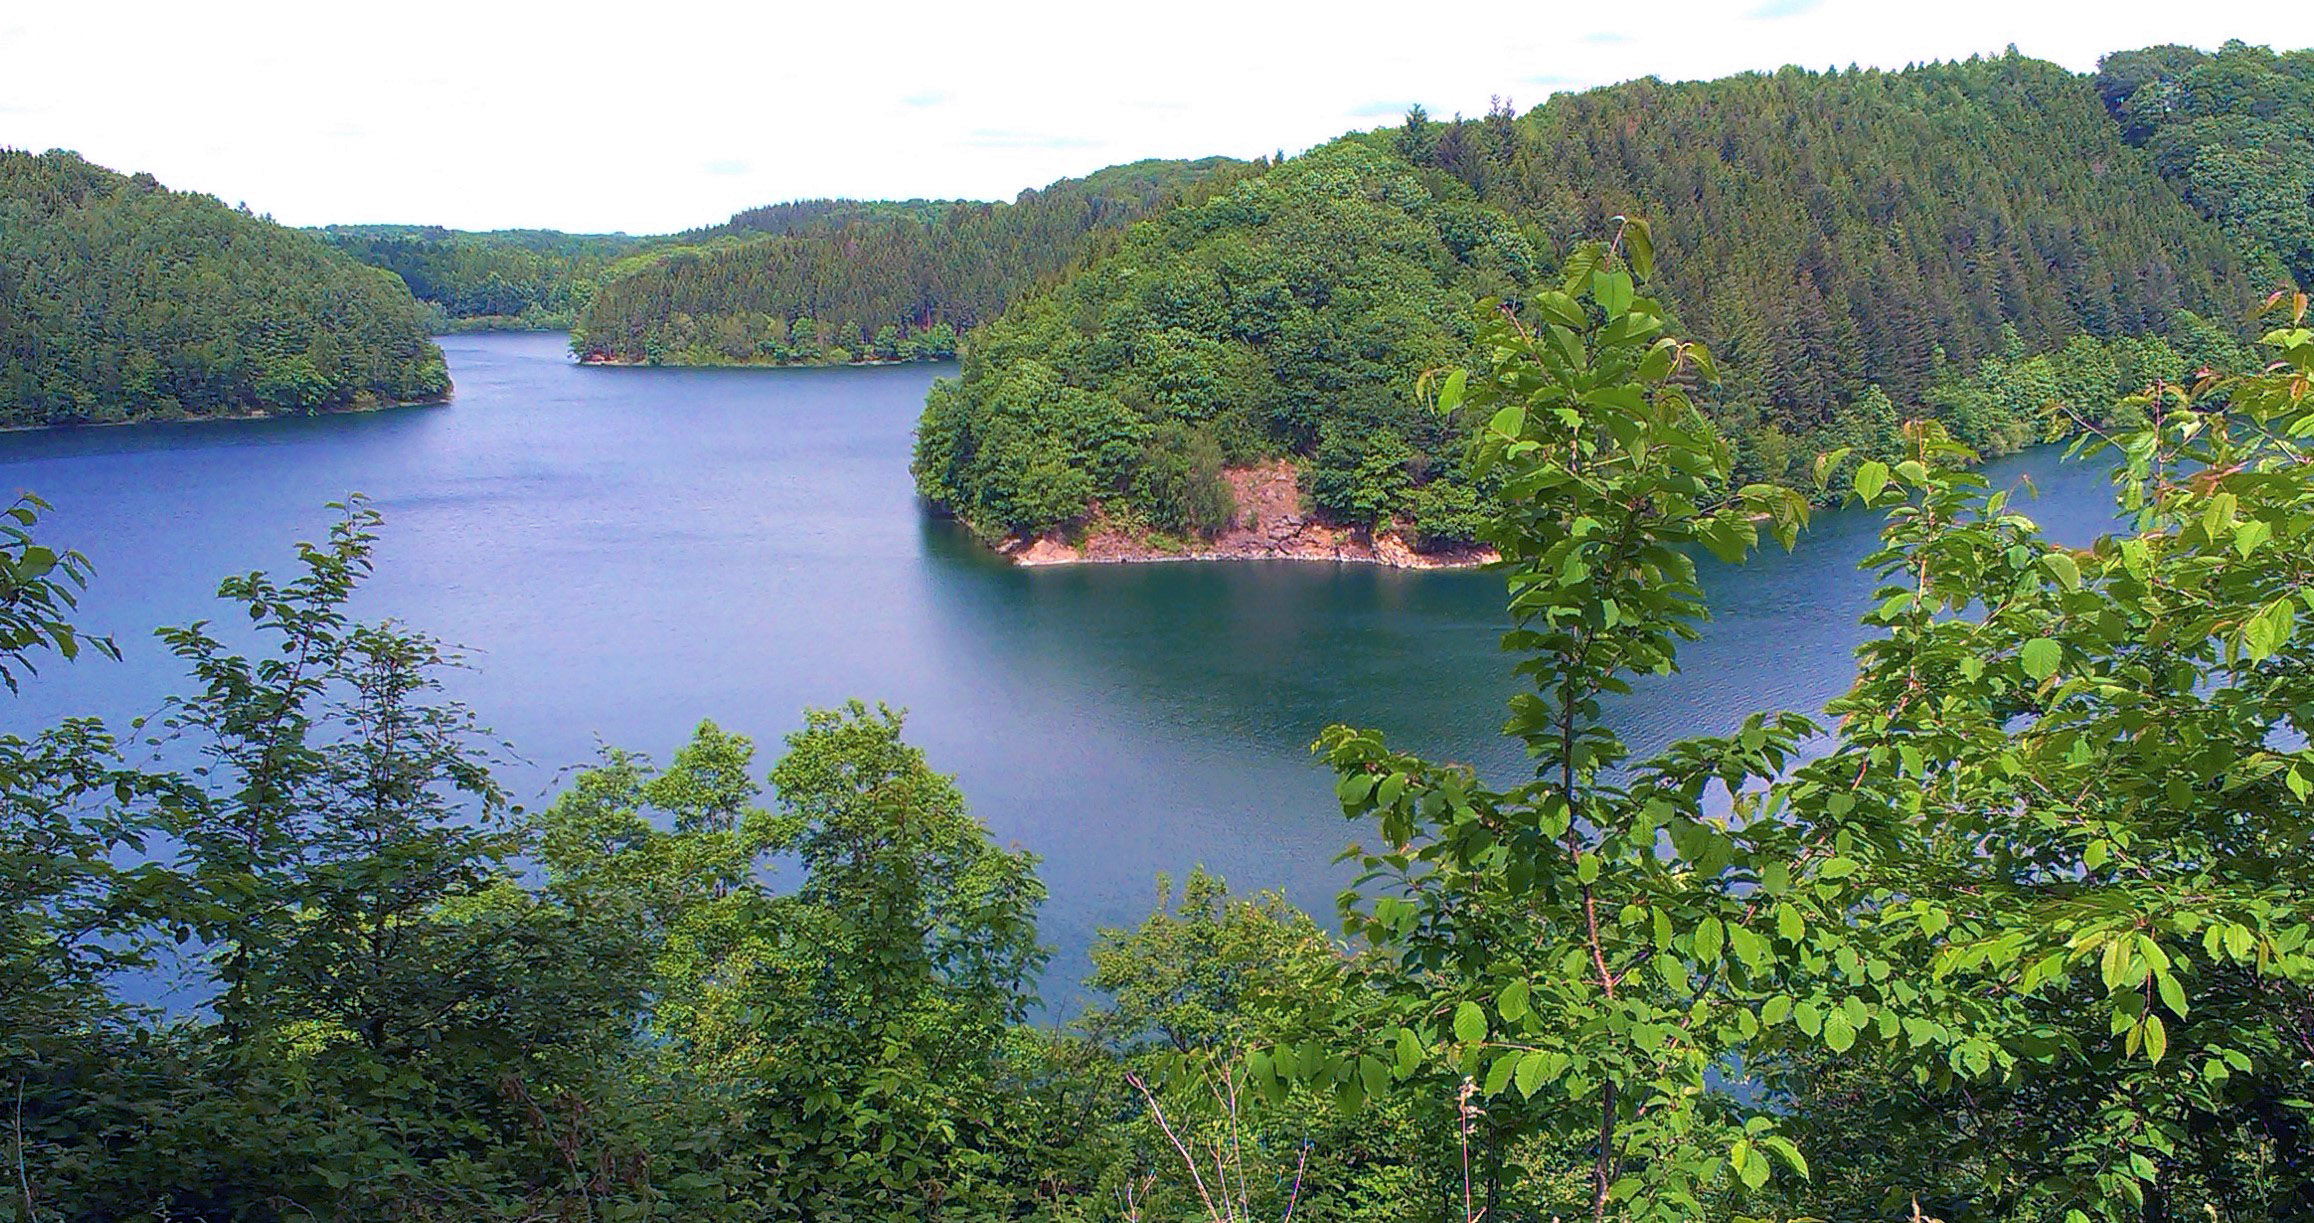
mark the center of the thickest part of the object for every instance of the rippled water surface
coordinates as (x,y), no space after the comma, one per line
(622,553)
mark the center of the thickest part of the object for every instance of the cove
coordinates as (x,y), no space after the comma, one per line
(623,552)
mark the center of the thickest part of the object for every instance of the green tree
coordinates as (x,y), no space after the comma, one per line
(2070,794)
(1586,949)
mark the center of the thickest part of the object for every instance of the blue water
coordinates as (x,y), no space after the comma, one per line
(622,553)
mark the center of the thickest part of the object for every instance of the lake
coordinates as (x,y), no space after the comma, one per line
(623,552)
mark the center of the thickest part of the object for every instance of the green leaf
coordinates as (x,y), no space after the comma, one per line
(1533,1069)
(1613,291)
(1498,1076)
(1512,1002)
(1373,1076)
(1450,395)
(1708,937)
(1469,1023)
(1409,1053)
(1839,1034)
(2064,568)
(1562,309)
(2172,993)
(2040,657)
(1639,247)
(1871,476)
(2156,1038)
(1785,1150)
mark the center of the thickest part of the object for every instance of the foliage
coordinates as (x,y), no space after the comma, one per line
(39,588)
(509,279)
(2070,791)
(1587,948)
(1837,228)
(2235,132)
(122,300)
(1856,247)
(834,281)
(1286,315)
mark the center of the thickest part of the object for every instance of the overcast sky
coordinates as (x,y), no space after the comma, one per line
(654,116)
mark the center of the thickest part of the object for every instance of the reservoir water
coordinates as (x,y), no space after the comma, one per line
(621,553)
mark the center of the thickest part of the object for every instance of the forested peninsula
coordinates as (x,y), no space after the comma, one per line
(1977,242)
(123,300)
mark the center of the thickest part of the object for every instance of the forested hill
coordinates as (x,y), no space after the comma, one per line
(506,279)
(1826,232)
(847,280)
(1853,245)
(2235,132)
(123,300)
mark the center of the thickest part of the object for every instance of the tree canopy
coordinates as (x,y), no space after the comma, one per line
(2235,132)
(1288,315)
(508,279)
(123,300)
(1856,246)
(844,280)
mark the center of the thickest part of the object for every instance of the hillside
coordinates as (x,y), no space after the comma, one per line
(1288,315)
(508,279)
(2235,132)
(1854,246)
(834,281)
(123,300)
(1830,232)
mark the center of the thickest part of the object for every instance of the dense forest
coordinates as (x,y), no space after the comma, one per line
(1288,314)
(2235,131)
(122,300)
(498,280)
(2023,935)
(837,281)
(1859,245)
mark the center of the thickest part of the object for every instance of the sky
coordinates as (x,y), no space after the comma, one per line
(653,117)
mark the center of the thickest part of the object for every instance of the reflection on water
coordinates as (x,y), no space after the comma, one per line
(625,552)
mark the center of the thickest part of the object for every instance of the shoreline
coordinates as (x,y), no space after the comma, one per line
(1269,525)
(1034,557)
(622,363)
(224,417)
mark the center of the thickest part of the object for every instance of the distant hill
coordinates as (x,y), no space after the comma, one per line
(1855,247)
(838,280)
(123,300)
(505,279)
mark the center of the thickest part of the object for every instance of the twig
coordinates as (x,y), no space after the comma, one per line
(1189,1161)
(1296,1196)
(23,1178)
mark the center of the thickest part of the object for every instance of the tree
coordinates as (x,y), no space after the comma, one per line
(1585,950)
(2069,801)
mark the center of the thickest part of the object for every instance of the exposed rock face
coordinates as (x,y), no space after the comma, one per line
(1270,524)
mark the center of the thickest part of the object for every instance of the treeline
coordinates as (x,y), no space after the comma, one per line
(498,280)
(2235,132)
(1871,240)
(122,300)
(2032,913)
(837,281)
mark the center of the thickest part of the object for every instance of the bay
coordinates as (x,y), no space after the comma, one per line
(621,553)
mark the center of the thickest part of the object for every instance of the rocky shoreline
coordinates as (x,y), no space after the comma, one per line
(1270,524)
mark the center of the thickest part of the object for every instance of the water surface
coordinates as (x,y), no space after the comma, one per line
(623,553)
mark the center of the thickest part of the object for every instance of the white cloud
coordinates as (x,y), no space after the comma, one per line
(585,115)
